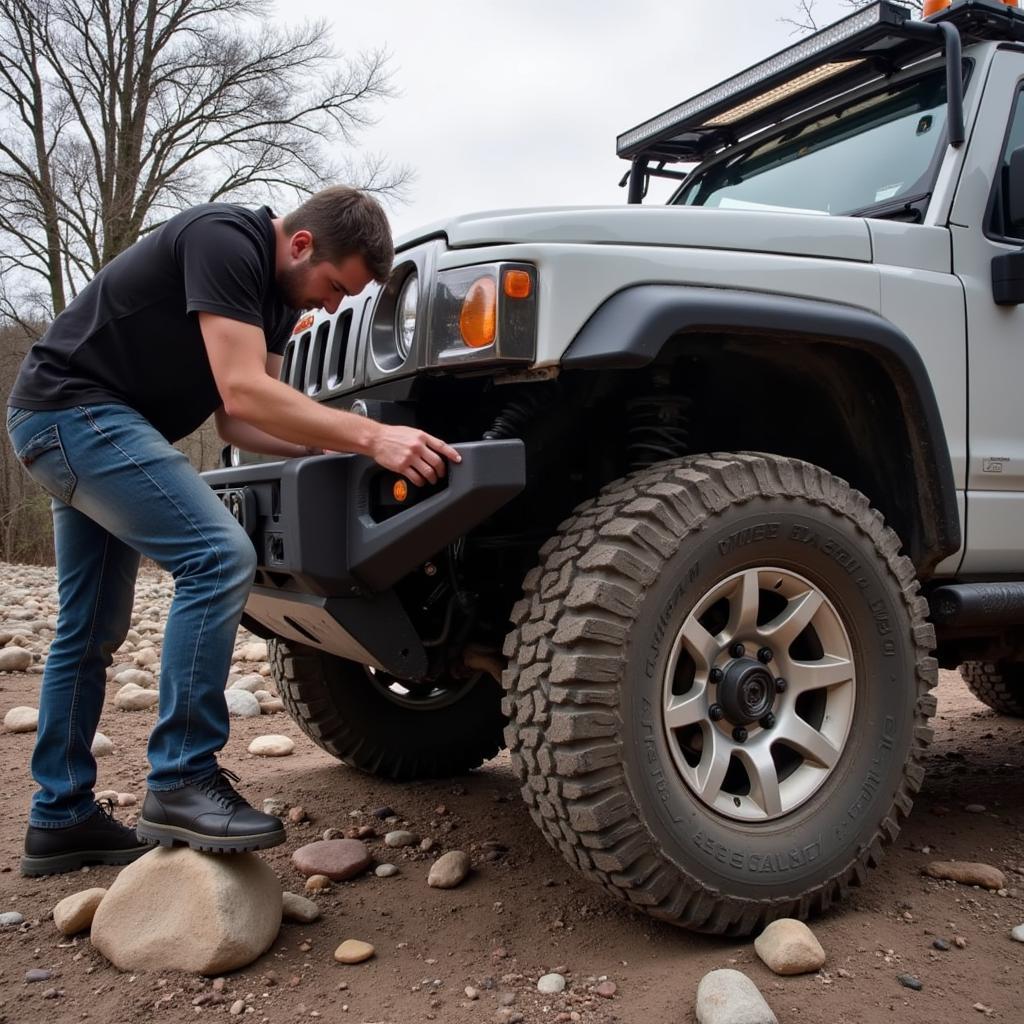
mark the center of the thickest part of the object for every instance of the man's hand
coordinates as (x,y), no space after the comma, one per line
(413,453)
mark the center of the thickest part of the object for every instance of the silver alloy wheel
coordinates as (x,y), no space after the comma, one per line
(419,697)
(788,752)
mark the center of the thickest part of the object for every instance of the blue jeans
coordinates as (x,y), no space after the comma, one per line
(120,490)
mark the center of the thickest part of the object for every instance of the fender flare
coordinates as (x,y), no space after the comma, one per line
(634,326)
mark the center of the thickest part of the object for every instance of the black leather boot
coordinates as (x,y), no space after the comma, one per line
(208,815)
(100,839)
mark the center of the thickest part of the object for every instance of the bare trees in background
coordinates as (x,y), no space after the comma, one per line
(114,114)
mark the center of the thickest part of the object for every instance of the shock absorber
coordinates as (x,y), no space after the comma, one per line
(658,426)
(518,412)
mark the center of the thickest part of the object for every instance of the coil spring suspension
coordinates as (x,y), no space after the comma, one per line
(658,429)
(517,415)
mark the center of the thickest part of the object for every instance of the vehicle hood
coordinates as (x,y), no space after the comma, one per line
(802,234)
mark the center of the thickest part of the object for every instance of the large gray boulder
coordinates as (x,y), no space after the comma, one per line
(180,910)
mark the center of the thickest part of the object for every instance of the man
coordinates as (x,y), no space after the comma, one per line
(191,320)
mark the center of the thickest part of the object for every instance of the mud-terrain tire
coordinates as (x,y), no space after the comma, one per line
(588,676)
(341,709)
(999,684)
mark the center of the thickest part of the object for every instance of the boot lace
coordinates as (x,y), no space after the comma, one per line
(106,805)
(218,787)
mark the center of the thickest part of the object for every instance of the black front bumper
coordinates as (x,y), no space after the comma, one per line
(328,559)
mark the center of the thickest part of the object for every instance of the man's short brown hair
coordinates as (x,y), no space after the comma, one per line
(344,221)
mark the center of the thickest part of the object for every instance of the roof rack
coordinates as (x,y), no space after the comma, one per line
(876,41)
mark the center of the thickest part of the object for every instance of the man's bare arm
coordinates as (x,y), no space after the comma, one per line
(237,354)
(252,439)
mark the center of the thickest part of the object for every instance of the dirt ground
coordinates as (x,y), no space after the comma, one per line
(524,912)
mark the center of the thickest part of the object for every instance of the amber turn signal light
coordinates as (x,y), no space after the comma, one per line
(934,6)
(400,490)
(517,284)
(478,321)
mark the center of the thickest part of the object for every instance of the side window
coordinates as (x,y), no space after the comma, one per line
(1014,141)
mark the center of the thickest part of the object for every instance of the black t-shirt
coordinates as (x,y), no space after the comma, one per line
(132,335)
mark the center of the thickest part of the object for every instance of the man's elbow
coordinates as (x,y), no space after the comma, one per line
(240,401)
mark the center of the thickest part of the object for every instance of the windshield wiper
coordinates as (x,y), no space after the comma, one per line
(910,209)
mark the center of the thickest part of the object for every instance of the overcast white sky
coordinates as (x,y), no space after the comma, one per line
(518,103)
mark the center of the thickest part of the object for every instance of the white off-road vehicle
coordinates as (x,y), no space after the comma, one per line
(740,472)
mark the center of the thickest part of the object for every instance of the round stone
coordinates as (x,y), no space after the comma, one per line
(385,870)
(102,746)
(242,704)
(1018,933)
(338,859)
(317,883)
(401,838)
(271,746)
(10,919)
(21,719)
(134,698)
(551,984)
(140,677)
(14,659)
(606,989)
(298,908)
(449,870)
(353,951)
(75,913)
(251,682)
(788,946)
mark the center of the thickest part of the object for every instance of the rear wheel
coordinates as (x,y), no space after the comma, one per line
(718,690)
(999,684)
(384,726)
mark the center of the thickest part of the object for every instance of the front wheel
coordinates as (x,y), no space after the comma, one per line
(383,726)
(999,684)
(718,690)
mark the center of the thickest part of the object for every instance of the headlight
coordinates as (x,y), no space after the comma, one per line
(483,313)
(405,316)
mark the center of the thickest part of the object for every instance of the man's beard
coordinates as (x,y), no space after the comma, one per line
(291,283)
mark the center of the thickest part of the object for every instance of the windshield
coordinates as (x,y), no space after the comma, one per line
(877,149)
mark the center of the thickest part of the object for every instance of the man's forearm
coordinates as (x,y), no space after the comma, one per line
(252,439)
(273,408)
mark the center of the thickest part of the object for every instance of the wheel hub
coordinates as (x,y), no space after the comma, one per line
(746,692)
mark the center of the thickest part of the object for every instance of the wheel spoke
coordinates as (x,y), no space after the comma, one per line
(805,739)
(791,622)
(700,643)
(713,765)
(764,779)
(824,673)
(688,710)
(744,604)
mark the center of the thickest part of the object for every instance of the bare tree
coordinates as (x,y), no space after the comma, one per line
(116,113)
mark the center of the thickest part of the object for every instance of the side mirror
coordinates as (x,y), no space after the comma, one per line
(1008,279)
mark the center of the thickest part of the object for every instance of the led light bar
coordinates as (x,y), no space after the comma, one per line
(827,53)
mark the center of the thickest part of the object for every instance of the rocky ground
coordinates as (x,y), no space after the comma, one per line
(475,953)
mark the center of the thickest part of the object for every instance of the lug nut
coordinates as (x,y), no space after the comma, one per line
(768,721)
(780,685)
(739,734)
(715,675)
(764,655)
(737,650)
(715,713)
